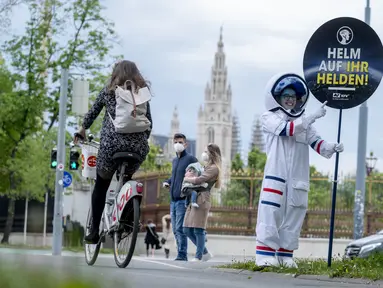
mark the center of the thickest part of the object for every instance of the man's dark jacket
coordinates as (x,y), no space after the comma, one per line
(178,172)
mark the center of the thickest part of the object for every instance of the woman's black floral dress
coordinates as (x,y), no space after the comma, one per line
(111,141)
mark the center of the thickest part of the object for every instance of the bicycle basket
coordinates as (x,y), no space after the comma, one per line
(88,161)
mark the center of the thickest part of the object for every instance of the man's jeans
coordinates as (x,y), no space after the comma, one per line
(177,213)
(197,236)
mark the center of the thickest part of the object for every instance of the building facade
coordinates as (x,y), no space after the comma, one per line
(215,119)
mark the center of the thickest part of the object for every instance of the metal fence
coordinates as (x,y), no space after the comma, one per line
(234,207)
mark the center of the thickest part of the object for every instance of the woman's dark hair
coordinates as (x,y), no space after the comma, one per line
(126,70)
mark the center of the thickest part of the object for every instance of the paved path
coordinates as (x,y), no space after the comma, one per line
(159,272)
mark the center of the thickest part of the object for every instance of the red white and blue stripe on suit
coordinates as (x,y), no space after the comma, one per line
(267,251)
(288,130)
(284,253)
(273,190)
(317,144)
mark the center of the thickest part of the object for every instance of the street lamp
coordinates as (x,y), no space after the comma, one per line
(370,163)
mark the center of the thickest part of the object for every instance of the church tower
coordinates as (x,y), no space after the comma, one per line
(215,116)
(257,135)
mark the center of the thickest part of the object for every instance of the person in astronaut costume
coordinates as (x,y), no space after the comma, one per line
(284,196)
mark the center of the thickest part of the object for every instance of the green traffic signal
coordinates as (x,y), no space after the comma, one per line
(73,160)
(54,159)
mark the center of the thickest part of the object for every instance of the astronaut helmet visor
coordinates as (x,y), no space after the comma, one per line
(291,93)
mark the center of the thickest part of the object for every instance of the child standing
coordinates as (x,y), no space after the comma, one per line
(151,237)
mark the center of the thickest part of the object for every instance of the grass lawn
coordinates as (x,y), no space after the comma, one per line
(369,268)
(16,276)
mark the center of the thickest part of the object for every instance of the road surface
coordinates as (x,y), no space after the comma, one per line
(161,273)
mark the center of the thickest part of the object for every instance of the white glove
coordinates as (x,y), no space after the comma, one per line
(328,149)
(338,147)
(316,115)
(165,184)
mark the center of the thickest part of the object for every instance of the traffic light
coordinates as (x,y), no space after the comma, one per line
(73,160)
(54,158)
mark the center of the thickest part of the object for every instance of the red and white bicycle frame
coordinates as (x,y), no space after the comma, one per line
(114,211)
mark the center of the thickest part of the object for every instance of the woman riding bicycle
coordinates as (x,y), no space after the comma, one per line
(112,142)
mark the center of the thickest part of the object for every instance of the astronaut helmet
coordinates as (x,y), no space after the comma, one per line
(287,92)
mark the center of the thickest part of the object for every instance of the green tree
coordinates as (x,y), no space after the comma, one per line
(32,167)
(150,164)
(237,163)
(88,48)
(320,190)
(40,52)
(238,191)
(22,109)
(256,159)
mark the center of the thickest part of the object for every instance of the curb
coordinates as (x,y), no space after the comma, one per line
(324,278)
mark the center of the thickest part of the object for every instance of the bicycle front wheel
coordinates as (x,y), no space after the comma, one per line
(125,238)
(91,250)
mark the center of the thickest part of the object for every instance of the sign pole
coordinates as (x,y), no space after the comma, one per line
(57,219)
(334,189)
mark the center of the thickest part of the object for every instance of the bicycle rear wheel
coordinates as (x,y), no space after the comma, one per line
(129,228)
(91,250)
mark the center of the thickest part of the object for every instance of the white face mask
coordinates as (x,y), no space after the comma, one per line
(205,157)
(179,147)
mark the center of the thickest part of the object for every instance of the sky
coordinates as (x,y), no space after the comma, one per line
(173,42)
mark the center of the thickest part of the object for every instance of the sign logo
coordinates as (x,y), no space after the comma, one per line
(91,161)
(340,96)
(345,35)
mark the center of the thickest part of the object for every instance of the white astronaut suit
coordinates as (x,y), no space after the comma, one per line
(283,202)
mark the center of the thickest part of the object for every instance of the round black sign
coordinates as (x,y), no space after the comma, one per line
(343,62)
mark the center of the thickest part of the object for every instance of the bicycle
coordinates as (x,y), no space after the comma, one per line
(121,215)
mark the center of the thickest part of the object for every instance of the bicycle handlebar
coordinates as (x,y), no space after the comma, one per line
(90,142)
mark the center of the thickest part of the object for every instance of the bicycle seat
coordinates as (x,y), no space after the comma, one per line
(122,157)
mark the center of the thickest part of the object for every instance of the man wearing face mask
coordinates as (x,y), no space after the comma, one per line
(177,203)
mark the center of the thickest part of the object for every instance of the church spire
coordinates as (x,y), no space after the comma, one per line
(220,42)
(219,71)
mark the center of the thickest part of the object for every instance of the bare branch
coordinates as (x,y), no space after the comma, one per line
(7,5)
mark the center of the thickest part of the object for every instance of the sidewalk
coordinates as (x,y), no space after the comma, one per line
(215,259)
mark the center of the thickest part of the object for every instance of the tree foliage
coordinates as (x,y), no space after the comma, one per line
(151,162)
(59,34)
(32,167)
(238,191)
(237,163)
